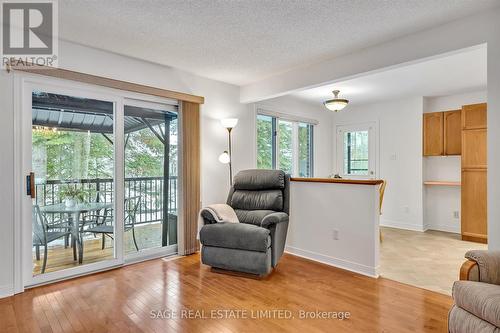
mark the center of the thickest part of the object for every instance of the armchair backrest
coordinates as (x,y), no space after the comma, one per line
(260,189)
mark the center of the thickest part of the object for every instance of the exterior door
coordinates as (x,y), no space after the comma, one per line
(356,151)
(72,174)
(99,178)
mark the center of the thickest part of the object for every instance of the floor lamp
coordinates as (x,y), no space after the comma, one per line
(226,156)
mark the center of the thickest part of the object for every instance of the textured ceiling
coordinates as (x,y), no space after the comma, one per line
(245,41)
(452,74)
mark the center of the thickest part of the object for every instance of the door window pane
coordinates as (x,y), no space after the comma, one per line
(73,165)
(305,133)
(265,145)
(151,163)
(356,153)
(285,146)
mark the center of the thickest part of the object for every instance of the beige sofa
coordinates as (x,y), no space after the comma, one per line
(477,295)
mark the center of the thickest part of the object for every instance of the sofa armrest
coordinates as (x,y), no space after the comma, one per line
(469,271)
(488,263)
(273,219)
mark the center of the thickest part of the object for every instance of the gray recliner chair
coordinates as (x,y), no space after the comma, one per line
(260,199)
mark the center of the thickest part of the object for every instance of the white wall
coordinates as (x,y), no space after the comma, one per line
(327,225)
(454,102)
(441,202)
(322,136)
(399,156)
(6,184)
(221,100)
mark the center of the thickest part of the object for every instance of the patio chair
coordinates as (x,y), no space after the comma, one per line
(103,216)
(43,234)
(106,227)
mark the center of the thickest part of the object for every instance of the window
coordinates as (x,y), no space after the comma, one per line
(285,138)
(305,150)
(266,127)
(285,144)
(356,151)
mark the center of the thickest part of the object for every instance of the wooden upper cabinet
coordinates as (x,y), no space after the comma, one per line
(453,132)
(433,134)
(474,116)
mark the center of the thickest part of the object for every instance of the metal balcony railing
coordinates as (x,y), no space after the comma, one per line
(150,189)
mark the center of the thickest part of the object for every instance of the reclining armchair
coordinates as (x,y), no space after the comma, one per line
(477,295)
(260,199)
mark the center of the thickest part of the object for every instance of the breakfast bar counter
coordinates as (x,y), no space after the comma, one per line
(336,221)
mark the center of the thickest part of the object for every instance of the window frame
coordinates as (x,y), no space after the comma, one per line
(372,129)
(276,117)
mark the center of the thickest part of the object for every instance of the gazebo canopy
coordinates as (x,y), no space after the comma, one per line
(83,114)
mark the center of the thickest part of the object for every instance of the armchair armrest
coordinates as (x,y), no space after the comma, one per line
(207,217)
(277,223)
(272,219)
(488,263)
(469,271)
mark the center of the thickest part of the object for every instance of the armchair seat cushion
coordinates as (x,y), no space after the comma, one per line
(236,236)
(480,299)
(254,217)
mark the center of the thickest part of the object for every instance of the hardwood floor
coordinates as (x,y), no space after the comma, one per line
(122,300)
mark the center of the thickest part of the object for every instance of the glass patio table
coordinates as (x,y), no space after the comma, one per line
(74,213)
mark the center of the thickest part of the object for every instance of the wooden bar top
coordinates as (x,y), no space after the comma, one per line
(339,181)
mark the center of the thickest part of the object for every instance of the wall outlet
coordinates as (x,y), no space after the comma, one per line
(335,234)
(456,214)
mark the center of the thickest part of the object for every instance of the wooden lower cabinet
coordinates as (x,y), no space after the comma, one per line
(474,205)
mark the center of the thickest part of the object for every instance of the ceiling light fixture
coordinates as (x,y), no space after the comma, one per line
(337,103)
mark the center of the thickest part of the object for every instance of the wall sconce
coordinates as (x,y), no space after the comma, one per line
(226,156)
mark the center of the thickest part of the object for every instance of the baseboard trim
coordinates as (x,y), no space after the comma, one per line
(401,225)
(336,262)
(445,228)
(6,291)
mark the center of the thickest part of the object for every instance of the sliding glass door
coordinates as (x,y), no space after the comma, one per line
(70,163)
(151,164)
(100,179)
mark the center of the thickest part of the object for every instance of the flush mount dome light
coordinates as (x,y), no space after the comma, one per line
(337,103)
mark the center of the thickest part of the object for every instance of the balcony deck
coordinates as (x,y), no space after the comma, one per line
(148,235)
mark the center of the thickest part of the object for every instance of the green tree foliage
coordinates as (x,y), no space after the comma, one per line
(67,155)
(285,129)
(264,142)
(304,150)
(285,146)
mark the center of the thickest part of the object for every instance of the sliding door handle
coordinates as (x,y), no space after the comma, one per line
(30,185)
